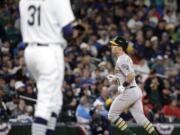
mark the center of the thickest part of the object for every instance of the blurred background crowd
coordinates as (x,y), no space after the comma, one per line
(153,30)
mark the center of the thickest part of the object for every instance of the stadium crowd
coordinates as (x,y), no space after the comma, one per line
(153,30)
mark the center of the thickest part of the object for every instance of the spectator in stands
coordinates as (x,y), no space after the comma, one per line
(170,17)
(153,87)
(82,111)
(19,109)
(158,66)
(171,110)
(69,106)
(27,116)
(20,88)
(31,94)
(100,102)
(99,125)
(2,81)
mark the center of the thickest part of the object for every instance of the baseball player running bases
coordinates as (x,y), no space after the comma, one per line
(130,94)
(43,24)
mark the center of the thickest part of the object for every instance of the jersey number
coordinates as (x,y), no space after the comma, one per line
(35,15)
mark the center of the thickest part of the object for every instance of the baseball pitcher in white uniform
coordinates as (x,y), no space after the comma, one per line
(43,23)
(130,94)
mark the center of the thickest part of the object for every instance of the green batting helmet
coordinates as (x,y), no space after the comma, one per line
(119,41)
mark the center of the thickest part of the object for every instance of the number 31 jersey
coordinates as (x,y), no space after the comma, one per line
(42,20)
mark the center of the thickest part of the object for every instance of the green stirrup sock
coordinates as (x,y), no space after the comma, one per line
(121,124)
(154,132)
(150,129)
(127,131)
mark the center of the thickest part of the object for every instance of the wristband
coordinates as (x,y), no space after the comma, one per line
(125,84)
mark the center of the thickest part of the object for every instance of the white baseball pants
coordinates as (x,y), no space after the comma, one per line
(46,63)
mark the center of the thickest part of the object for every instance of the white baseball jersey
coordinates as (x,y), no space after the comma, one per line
(123,67)
(42,20)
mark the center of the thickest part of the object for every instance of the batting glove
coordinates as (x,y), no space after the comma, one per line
(111,77)
(121,89)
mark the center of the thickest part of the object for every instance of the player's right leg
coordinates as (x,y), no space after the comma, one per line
(41,61)
(138,114)
(120,103)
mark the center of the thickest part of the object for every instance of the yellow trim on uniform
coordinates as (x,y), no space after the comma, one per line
(114,43)
(124,127)
(121,124)
(118,122)
(146,124)
(151,130)
(149,126)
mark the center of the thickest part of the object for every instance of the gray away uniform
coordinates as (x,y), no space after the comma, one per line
(131,97)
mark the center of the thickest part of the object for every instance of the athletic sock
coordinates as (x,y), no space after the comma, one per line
(51,124)
(121,124)
(39,126)
(150,129)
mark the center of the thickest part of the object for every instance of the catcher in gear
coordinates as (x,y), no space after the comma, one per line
(130,94)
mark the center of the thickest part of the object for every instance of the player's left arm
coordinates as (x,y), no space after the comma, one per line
(66,19)
(73,29)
